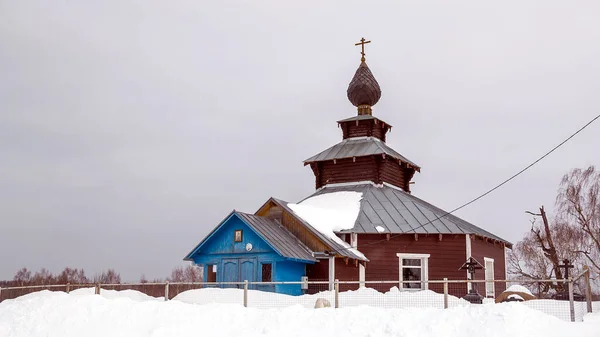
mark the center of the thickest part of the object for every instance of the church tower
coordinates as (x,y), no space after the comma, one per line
(362,155)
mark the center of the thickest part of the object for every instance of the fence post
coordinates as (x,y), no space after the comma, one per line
(588,289)
(0,294)
(68,290)
(167,291)
(445,293)
(245,293)
(97,288)
(336,286)
(571,300)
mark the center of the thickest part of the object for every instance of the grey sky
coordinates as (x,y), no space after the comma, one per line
(129,129)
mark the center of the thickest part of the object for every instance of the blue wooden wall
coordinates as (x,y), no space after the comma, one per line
(235,264)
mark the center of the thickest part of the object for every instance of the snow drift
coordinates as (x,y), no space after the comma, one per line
(52,314)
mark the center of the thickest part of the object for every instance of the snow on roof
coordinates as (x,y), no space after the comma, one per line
(519,289)
(330,213)
(380,229)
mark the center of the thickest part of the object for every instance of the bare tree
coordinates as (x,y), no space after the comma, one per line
(108,277)
(22,277)
(573,234)
(43,277)
(578,204)
(73,276)
(539,254)
(191,273)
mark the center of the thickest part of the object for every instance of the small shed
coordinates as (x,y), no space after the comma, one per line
(253,248)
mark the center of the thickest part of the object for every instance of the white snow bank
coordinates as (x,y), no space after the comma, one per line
(394,298)
(519,288)
(54,314)
(330,213)
(114,294)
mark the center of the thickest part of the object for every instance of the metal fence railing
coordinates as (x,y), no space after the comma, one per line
(555,297)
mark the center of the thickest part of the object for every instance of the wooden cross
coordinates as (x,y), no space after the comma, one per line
(567,265)
(471,265)
(362,45)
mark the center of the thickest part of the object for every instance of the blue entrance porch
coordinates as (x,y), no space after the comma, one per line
(247,247)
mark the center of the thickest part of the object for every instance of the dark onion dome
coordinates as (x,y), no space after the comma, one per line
(363,90)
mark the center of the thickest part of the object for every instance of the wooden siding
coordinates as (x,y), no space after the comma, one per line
(374,168)
(346,272)
(346,170)
(446,258)
(391,172)
(272,211)
(364,128)
(480,248)
(318,272)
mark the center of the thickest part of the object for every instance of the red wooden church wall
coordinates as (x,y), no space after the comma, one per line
(445,259)
(480,249)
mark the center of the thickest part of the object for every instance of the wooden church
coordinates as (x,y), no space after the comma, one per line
(361,224)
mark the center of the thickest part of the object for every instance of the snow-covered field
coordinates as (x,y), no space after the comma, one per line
(130,313)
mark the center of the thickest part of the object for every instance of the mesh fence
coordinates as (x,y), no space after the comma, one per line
(552,297)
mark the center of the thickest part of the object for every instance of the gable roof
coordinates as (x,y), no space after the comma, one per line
(284,242)
(333,245)
(359,147)
(275,235)
(386,209)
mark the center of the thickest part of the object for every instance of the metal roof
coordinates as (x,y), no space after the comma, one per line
(284,242)
(335,246)
(358,147)
(362,118)
(399,212)
(278,236)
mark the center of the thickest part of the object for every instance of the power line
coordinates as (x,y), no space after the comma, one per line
(489,191)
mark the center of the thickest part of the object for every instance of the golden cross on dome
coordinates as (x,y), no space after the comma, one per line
(362,45)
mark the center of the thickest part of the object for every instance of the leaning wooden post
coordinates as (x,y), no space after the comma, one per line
(445,293)
(68,290)
(97,288)
(571,300)
(336,286)
(245,293)
(588,289)
(0,294)
(167,291)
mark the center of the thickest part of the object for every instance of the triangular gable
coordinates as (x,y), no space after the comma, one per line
(328,244)
(277,243)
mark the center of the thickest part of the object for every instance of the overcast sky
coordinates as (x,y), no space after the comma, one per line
(129,129)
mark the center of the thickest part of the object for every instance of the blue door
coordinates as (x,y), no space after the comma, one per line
(230,272)
(248,271)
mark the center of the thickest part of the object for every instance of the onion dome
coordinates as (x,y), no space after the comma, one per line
(363,91)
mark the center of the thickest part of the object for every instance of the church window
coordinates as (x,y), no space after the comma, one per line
(414,270)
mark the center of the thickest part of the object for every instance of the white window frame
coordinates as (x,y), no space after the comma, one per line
(490,289)
(424,269)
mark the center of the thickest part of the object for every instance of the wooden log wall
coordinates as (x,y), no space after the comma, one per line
(364,128)
(374,168)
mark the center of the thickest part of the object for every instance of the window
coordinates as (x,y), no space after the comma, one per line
(413,267)
(238,236)
(267,275)
(489,275)
(211,273)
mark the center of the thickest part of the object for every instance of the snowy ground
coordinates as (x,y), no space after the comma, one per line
(130,313)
